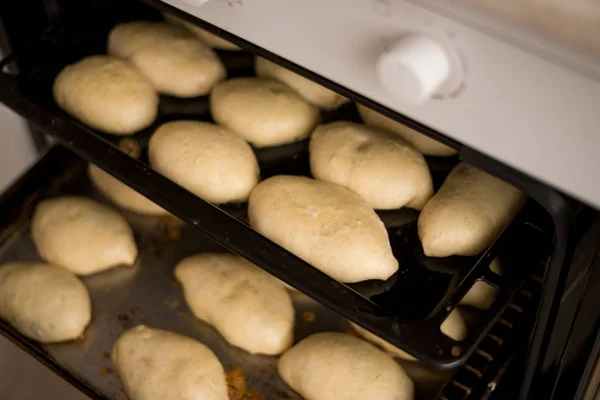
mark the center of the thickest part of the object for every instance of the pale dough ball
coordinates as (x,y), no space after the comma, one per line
(121,194)
(156,364)
(44,302)
(314,93)
(249,307)
(176,61)
(381,343)
(82,235)
(107,94)
(206,159)
(454,327)
(482,294)
(332,365)
(424,144)
(327,225)
(384,169)
(265,112)
(467,214)
(214,41)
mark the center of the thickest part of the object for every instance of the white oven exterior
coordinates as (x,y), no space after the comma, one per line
(522,100)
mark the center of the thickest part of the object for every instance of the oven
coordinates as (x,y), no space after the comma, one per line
(514,98)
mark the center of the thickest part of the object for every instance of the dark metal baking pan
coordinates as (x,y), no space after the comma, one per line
(406,310)
(146,293)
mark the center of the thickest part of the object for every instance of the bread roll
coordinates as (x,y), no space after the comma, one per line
(176,61)
(121,194)
(155,364)
(381,343)
(467,214)
(206,159)
(265,112)
(82,235)
(453,326)
(325,224)
(482,294)
(332,365)
(424,144)
(44,302)
(107,94)
(314,93)
(210,39)
(249,307)
(384,169)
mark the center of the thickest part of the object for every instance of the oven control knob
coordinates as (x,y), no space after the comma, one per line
(413,68)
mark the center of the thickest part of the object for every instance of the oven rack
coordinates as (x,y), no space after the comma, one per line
(382,307)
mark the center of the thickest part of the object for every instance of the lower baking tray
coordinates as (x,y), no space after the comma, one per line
(146,293)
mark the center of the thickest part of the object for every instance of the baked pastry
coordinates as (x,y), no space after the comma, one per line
(332,365)
(107,94)
(121,194)
(424,144)
(249,307)
(157,364)
(312,92)
(325,224)
(454,327)
(44,302)
(206,159)
(265,112)
(468,213)
(387,171)
(214,41)
(482,294)
(175,60)
(82,235)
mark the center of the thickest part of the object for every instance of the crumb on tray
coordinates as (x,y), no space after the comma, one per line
(309,316)
(236,385)
(130,147)
(173,304)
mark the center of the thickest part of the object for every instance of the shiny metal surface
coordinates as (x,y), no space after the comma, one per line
(148,294)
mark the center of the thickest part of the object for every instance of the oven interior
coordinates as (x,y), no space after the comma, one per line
(407,309)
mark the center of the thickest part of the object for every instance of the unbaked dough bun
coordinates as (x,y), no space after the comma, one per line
(206,159)
(121,194)
(454,327)
(424,144)
(82,235)
(387,171)
(333,365)
(381,343)
(265,112)
(44,302)
(314,93)
(482,294)
(249,307)
(327,225)
(176,61)
(207,37)
(156,364)
(107,94)
(467,214)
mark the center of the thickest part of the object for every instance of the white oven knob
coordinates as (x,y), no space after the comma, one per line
(413,68)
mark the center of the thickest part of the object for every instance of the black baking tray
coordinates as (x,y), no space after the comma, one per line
(406,309)
(147,293)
